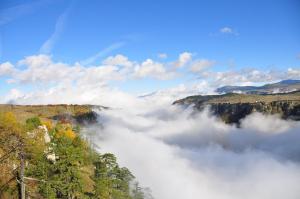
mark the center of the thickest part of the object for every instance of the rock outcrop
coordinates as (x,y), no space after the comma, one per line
(231,108)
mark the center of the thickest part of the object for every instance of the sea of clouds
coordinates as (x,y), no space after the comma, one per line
(178,153)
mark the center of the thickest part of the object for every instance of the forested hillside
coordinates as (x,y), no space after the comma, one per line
(50,159)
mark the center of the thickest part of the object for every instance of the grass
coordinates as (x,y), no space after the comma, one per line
(45,112)
(234,98)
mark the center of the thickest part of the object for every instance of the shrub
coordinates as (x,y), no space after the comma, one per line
(33,123)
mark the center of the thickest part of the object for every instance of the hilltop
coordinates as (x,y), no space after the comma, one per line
(78,114)
(283,86)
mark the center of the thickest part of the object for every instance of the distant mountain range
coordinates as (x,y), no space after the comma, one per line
(279,87)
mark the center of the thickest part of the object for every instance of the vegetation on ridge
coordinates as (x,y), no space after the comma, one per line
(59,163)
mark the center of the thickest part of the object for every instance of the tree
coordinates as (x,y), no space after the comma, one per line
(111,181)
(11,136)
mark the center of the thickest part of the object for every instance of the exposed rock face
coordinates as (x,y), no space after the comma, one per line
(89,117)
(231,111)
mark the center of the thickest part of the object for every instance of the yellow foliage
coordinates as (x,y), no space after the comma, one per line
(8,120)
(48,124)
(70,134)
(9,125)
(65,130)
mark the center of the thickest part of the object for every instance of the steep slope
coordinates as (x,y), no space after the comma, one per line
(231,108)
(44,142)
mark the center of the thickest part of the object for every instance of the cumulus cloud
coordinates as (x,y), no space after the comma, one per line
(149,68)
(41,68)
(41,71)
(6,69)
(168,148)
(118,60)
(183,59)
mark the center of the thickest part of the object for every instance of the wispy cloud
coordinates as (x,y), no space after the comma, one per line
(59,27)
(102,53)
(9,14)
(228,30)
(162,55)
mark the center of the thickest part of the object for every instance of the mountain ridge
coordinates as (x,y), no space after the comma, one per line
(283,86)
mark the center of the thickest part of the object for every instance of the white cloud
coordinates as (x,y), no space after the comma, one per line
(41,71)
(118,60)
(149,68)
(271,125)
(98,94)
(11,96)
(167,149)
(242,77)
(183,59)
(36,61)
(293,73)
(228,30)
(6,69)
(200,65)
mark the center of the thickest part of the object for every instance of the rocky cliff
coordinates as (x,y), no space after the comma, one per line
(231,108)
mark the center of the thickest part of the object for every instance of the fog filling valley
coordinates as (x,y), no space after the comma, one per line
(178,153)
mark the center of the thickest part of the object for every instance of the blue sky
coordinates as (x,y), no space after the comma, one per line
(260,34)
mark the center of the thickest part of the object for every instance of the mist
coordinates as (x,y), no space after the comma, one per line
(178,153)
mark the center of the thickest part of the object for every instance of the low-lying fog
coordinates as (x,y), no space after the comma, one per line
(180,155)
